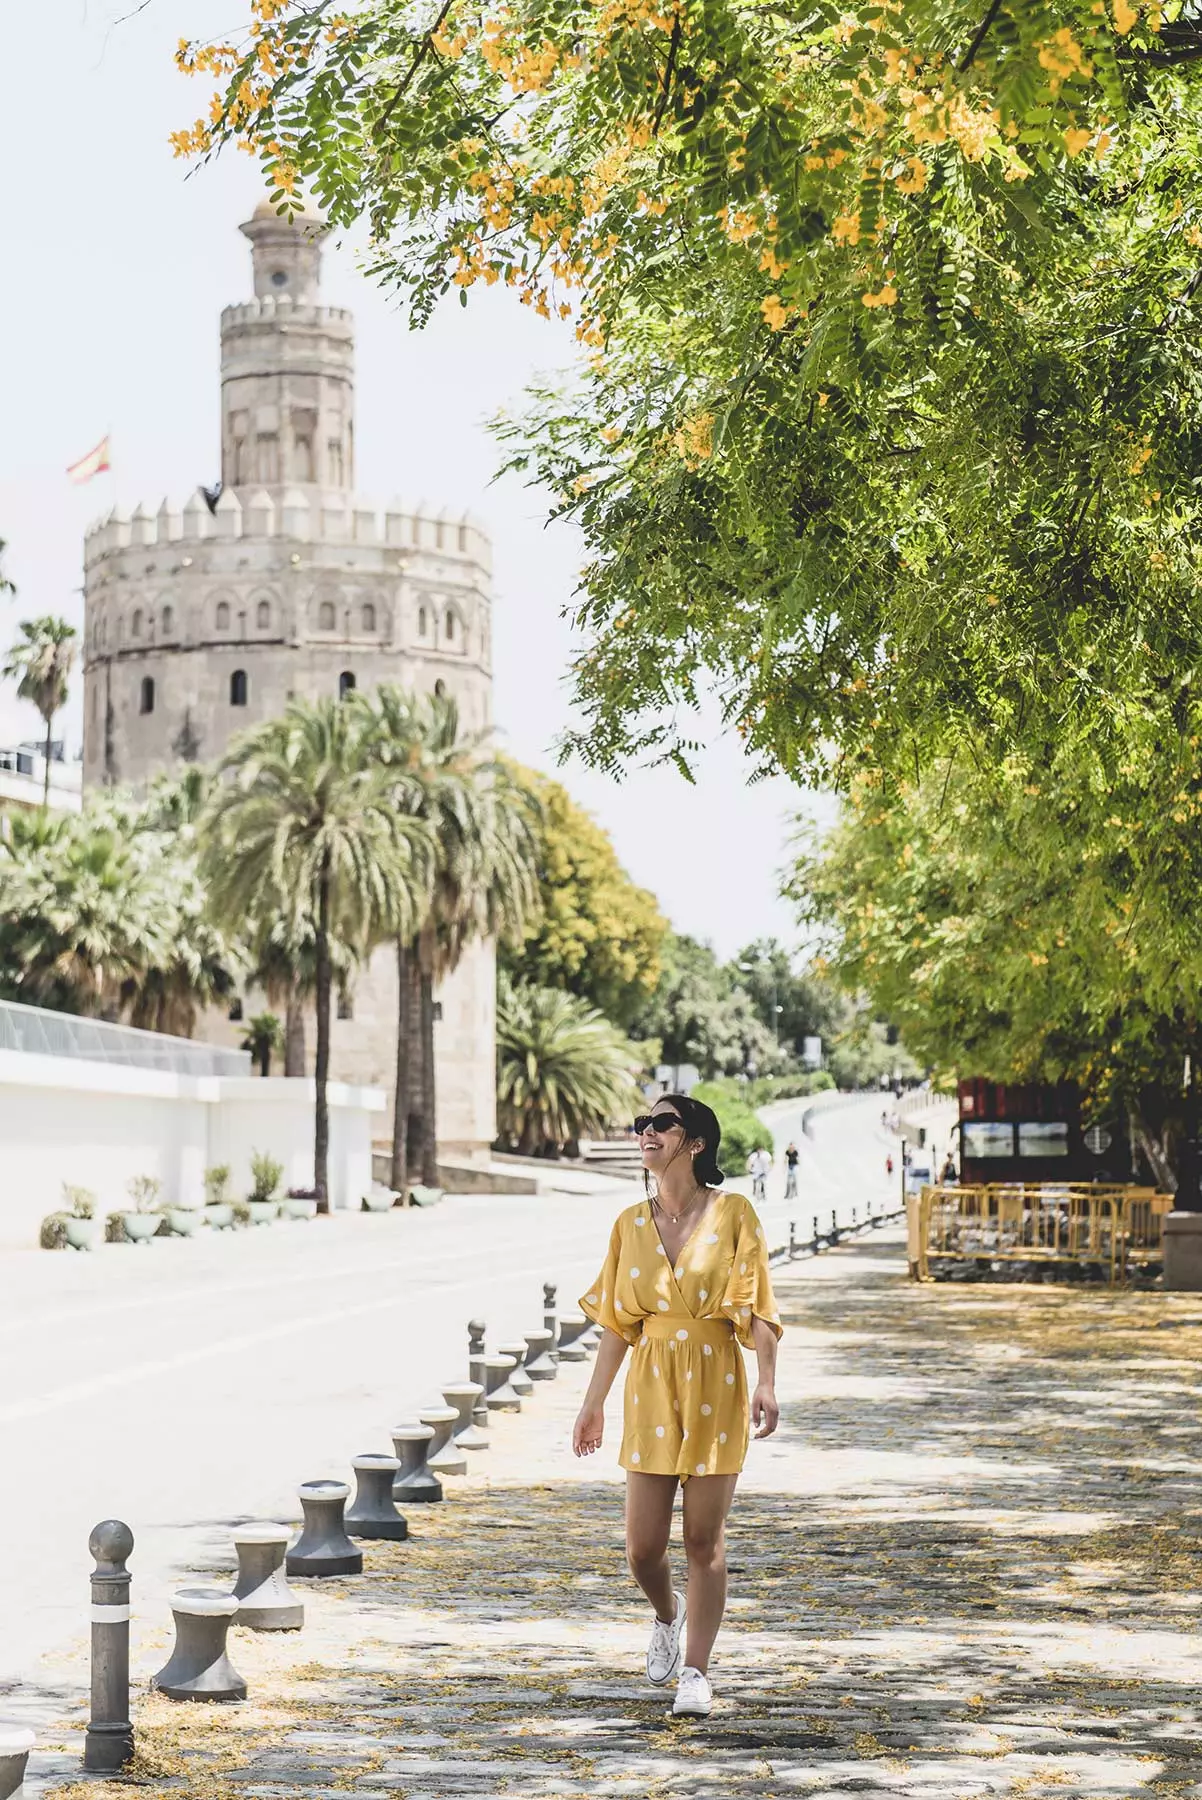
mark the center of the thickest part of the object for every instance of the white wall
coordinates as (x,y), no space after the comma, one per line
(96,1125)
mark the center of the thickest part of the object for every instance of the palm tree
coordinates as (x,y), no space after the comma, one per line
(563,1071)
(264,1034)
(305,826)
(40,663)
(85,912)
(485,884)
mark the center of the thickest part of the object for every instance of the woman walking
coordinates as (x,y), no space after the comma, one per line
(685,1282)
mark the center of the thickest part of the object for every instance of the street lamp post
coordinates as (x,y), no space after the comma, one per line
(750,969)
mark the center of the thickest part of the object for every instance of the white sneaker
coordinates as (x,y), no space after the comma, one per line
(694,1699)
(663,1652)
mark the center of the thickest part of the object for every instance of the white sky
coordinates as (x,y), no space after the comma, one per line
(117,264)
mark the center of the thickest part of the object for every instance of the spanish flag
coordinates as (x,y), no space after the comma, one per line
(92,464)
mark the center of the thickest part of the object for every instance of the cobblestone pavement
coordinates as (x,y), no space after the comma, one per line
(967,1566)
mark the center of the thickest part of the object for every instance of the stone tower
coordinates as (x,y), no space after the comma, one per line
(203,621)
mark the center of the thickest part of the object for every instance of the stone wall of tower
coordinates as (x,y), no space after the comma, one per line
(201,622)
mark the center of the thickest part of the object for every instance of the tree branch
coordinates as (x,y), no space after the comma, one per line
(979,38)
(669,68)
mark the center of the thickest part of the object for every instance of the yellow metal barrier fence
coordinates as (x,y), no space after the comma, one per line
(1098,1226)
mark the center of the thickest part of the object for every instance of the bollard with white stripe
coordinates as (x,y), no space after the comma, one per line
(15,1744)
(372,1513)
(323,1547)
(109,1742)
(464,1396)
(572,1328)
(265,1601)
(500,1394)
(198,1667)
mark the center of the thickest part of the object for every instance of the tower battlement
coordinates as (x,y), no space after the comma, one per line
(281,309)
(310,517)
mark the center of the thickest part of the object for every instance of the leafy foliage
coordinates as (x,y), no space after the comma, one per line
(742,1129)
(563,1071)
(596,934)
(40,664)
(890,422)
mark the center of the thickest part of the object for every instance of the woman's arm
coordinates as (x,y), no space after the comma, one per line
(765,1413)
(590,1421)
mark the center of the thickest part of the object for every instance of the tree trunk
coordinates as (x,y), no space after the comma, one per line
(398,1177)
(429,1083)
(46,776)
(265,1058)
(321,1124)
(294,1033)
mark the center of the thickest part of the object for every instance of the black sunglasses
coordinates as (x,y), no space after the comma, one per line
(657,1122)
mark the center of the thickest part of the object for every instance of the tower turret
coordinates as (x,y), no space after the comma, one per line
(287,367)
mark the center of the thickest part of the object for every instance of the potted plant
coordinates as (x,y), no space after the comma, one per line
(146,1217)
(299,1203)
(81,1228)
(266,1176)
(379,1198)
(219,1211)
(185,1218)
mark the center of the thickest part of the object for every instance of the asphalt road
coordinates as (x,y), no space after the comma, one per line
(192,1383)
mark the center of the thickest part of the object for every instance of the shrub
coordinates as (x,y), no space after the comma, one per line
(742,1131)
(217,1181)
(80,1201)
(241,1213)
(266,1175)
(114,1228)
(53,1234)
(144,1191)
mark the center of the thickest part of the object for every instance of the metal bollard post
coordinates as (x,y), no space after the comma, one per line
(539,1363)
(519,1379)
(854,1225)
(109,1742)
(793,1246)
(476,1372)
(464,1396)
(550,1322)
(571,1333)
(198,1667)
(834,1237)
(816,1240)
(499,1391)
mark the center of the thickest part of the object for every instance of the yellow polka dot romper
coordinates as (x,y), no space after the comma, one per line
(686,1407)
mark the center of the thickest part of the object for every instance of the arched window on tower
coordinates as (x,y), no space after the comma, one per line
(168,621)
(147,702)
(450,625)
(325,616)
(369,616)
(136,623)
(263,615)
(346,683)
(238,688)
(463,537)
(421,621)
(223,615)
(440,688)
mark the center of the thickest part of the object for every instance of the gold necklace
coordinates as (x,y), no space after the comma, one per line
(677,1217)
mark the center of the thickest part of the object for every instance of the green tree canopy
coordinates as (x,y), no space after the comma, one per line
(890,417)
(598,935)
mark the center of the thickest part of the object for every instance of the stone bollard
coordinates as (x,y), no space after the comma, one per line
(414,1482)
(833,1238)
(444,1456)
(550,1322)
(323,1548)
(539,1365)
(198,1667)
(463,1396)
(109,1742)
(372,1513)
(498,1392)
(16,1741)
(265,1601)
(476,1372)
(571,1332)
(519,1378)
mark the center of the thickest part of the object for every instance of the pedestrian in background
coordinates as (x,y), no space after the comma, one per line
(686,1283)
(758,1165)
(792,1158)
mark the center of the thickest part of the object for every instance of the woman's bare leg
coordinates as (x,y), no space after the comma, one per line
(649,1500)
(707,1501)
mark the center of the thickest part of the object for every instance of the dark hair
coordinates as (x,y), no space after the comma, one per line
(699,1121)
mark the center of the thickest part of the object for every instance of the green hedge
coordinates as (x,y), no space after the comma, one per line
(742,1131)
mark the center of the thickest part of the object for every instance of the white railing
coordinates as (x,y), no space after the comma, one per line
(40,1032)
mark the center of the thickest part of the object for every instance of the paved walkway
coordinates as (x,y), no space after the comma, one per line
(967,1566)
